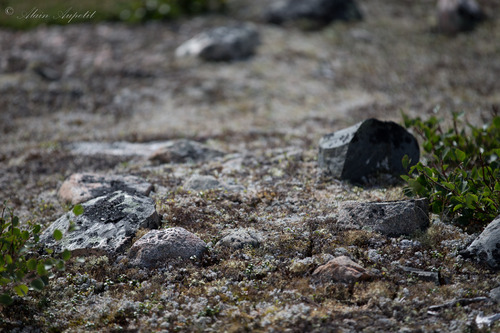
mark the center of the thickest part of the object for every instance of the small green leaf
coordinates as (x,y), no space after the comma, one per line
(57,235)
(40,269)
(21,290)
(6,299)
(449,186)
(66,255)
(78,210)
(497,186)
(15,221)
(460,155)
(8,259)
(457,207)
(405,162)
(36,229)
(31,264)
(25,235)
(37,284)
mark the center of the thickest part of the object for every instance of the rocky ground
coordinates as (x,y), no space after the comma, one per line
(113,82)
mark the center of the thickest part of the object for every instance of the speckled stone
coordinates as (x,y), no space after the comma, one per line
(486,248)
(341,269)
(107,225)
(159,246)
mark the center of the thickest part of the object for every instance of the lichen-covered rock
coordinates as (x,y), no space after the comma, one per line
(222,43)
(81,187)
(159,246)
(320,11)
(341,269)
(241,237)
(391,218)
(367,148)
(184,151)
(205,183)
(486,248)
(454,16)
(107,225)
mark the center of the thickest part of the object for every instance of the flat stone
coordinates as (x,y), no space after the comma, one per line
(184,151)
(240,238)
(321,12)
(391,218)
(485,249)
(454,16)
(222,43)
(341,269)
(423,275)
(118,149)
(81,187)
(366,149)
(107,225)
(159,246)
(199,183)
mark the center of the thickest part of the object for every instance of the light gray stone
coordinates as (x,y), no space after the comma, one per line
(81,187)
(199,183)
(184,151)
(391,218)
(107,225)
(365,149)
(321,12)
(454,16)
(423,275)
(485,248)
(157,247)
(222,43)
(239,238)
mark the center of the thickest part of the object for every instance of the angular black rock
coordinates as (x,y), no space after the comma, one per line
(367,148)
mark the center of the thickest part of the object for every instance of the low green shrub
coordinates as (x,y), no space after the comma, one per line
(461,169)
(21,266)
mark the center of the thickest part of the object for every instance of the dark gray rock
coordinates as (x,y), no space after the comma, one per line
(391,218)
(365,149)
(81,187)
(206,183)
(454,16)
(321,12)
(222,43)
(241,237)
(184,151)
(159,246)
(485,249)
(107,225)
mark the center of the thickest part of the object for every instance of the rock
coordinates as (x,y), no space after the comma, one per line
(423,275)
(485,249)
(159,246)
(119,149)
(366,149)
(222,43)
(184,151)
(495,294)
(391,218)
(205,183)
(341,269)
(107,225)
(454,16)
(302,266)
(320,12)
(81,187)
(241,237)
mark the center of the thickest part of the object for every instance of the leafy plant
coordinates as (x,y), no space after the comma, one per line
(462,171)
(21,268)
